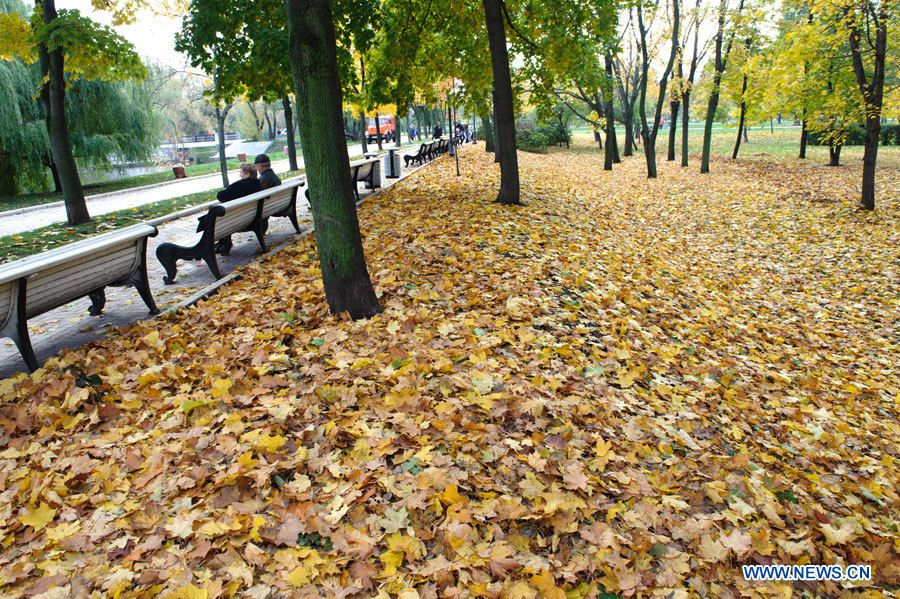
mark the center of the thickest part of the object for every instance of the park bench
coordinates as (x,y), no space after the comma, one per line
(37,284)
(368,171)
(247,214)
(419,157)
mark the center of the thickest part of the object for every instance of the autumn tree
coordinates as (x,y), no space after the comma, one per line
(650,132)
(503,103)
(242,52)
(725,32)
(627,68)
(67,46)
(313,53)
(869,55)
(685,81)
(567,51)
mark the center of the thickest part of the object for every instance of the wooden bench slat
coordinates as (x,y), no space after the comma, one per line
(48,292)
(6,301)
(40,283)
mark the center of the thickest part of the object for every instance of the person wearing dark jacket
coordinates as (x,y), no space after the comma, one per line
(246,185)
(267,177)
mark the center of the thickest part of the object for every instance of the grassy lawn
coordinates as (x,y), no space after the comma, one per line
(13,247)
(783,144)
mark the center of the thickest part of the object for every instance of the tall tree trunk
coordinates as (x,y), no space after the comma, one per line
(721,60)
(221,113)
(271,128)
(348,287)
(685,122)
(53,103)
(494,115)
(707,126)
(741,131)
(804,135)
(54,173)
(291,138)
(613,141)
(674,106)
(362,111)
(686,88)
(488,131)
(649,133)
(609,157)
(378,132)
(506,118)
(628,114)
(673,125)
(872,91)
(870,157)
(834,155)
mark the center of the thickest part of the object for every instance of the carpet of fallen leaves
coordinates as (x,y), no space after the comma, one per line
(623,387)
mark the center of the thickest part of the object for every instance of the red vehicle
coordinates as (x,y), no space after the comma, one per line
(388,128)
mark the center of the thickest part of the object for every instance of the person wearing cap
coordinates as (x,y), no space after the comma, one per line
(267,177)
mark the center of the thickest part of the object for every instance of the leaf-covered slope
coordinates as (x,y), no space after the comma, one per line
(626,384)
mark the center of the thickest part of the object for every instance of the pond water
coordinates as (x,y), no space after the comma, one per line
(117,171)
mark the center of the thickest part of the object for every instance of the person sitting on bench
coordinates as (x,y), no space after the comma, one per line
(247,184)
(267,177)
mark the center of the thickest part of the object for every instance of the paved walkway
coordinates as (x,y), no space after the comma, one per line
(71,326)
(40,217)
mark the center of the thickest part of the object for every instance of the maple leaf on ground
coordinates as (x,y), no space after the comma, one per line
(37,517)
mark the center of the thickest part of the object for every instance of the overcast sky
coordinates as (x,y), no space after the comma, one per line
(153,36)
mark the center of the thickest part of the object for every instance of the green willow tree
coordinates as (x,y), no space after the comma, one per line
(67,46)
(106,120)
(314,64)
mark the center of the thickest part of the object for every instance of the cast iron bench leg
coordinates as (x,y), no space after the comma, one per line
(141,282)
(17,329)
(165,253)
(98,301)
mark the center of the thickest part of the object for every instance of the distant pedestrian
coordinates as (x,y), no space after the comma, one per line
(437,132)
(267,177)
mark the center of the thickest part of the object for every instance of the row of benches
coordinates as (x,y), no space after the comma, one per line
(428,151)
(40,283)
